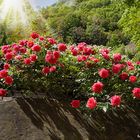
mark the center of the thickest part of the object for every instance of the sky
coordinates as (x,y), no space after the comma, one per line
(41,3)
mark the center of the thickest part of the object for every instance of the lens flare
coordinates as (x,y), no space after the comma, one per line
(13,10)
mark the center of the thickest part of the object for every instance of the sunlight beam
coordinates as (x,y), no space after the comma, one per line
(13,9)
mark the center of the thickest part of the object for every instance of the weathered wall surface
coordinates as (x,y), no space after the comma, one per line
(49,119)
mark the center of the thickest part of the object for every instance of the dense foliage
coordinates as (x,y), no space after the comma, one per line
(102,22)
(82,72)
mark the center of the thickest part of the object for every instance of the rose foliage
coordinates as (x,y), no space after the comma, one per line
(91,76)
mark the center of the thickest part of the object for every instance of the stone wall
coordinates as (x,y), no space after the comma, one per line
(51,119)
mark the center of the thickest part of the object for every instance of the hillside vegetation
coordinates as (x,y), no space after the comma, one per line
(102,22)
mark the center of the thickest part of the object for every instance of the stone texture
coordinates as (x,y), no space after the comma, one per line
(51,119)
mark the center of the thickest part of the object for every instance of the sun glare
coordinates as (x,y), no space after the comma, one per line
(13,10)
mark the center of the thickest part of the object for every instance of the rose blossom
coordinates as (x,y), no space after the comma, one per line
(8,80)
(45,70)
(3,73)
(36,48)
(22,50)
(104,73)
(132,79)
(117,57)
(75,103)
(9,56)
(56,54)
(87,50)
(6,66)
(97,87)
(62,47)
(33,57)
(30,44)
(74,52)
(34,35)
(3,92)
(50,58)
(18,57)
(41,38)
(27,61)
(124,76)
(91,103)
(81,46)
(136,92)
(116,68)
(105,56)
(52,68)
(115,100)
(105,50)
(51,41)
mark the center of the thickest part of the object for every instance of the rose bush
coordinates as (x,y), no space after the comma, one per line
(92,76)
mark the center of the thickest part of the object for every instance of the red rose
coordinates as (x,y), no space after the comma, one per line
(97,87)
(5,48)
(56,54)
(84,58)
(22,42)
(49,52)
(72,47)
(41,38)
(30,44)
(105,56)
(18,57)
(33,57)
(8,80)
(16,48)
(124,76)
(9,56)
(79,58)
(27,61)
(51,41)
(22,50)
(3,92)
(3,73)
(136,92)
(104,50)
(36,48)
(138,62)
(132,79)
(75,103)
(50,59)
(45,70)
(34,35)
(6,66)
(117,57)
(104,73)
(96,60)
(129,63)
(62,47)
(131,68)
(115,100)
(87,51)
(91,103)
(53,69)
(116,68)
(74,52)
(81,46)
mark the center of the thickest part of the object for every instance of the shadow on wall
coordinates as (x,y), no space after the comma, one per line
(58,120)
